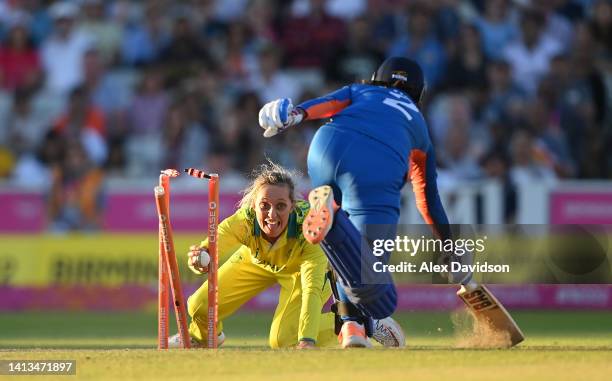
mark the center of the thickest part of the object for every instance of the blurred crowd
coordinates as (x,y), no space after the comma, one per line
(516,90)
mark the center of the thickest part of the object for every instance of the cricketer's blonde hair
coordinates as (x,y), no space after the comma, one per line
(269,173)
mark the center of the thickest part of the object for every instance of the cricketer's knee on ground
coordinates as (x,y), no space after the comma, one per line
(282,335)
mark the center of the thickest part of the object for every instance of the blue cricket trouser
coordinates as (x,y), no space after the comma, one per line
(366,177)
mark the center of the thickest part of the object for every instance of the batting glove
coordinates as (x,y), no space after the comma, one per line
(466,257)
(278,115)
(198,260)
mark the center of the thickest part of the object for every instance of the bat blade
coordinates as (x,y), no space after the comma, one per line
(485,306)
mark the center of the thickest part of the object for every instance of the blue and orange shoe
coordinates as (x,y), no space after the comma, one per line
(353,335)
(320,217)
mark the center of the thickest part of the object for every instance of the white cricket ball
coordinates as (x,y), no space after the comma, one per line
(204,258)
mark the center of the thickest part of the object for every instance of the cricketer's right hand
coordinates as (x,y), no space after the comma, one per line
(198,260)
(278,115)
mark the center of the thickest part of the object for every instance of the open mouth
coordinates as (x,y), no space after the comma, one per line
(272,224)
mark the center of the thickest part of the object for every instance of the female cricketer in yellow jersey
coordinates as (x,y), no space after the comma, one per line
(265,246)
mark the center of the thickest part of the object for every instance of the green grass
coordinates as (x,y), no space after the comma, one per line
(559,346)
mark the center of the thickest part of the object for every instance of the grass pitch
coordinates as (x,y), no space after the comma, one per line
(121,346)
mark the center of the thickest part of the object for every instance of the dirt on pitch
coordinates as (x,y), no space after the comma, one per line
(471,332)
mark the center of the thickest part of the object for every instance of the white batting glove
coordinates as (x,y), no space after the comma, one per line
(457,277)
(277,116)
(198,260)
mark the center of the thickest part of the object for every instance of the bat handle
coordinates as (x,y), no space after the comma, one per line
(469,284)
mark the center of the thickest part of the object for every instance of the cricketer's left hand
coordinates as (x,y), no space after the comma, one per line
(278,115)
(305,344)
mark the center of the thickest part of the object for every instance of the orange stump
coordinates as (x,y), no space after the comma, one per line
(213,266)
(171,265)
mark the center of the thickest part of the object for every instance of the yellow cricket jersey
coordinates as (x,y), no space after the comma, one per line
(290,254)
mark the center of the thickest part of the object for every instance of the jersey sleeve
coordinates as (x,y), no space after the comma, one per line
(233,233)
(422,174)
(312,271)
(327,105)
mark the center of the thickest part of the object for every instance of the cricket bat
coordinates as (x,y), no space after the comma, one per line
(486,307)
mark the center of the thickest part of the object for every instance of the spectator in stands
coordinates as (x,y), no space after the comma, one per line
(212,101)
(19,60)
(184,45)
(111,94)
(385,23)
(495,165)
(41,22)
(84,123)
(26,130)
(447,19)
(36,171)
(107,93)
(62,53)
(583,110)
(550,142)
(219,160)
(269,81)
(149,107)
(467,65)
(457,159)
(183,51)
(505,100)
(421,44)
(184,137)
(75,198)
(259,18)
(530,55)
(346,9)
(586,72)
(247,141)
(228,11)
(455,110)
(239,56)
(143,40)
(357,58)
(108,34)
(309,40)
(601,27)
(556,25)
(529,165)
(496,27)
(146,117)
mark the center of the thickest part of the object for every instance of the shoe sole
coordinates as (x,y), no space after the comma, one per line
(320,216)
(358,344)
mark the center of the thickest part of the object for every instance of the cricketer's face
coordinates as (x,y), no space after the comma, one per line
(272,207)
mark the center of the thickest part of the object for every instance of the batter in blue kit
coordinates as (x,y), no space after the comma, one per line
(358,162)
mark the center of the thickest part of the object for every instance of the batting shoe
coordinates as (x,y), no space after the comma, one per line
(321,214)
(175,341)
(353,335)
(389,333)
